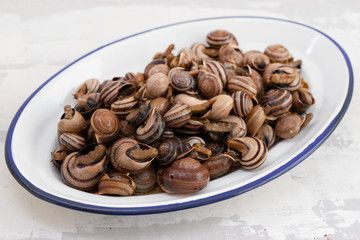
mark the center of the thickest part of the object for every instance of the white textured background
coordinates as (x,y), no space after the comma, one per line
(319,199)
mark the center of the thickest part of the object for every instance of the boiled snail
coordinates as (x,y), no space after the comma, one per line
(188,118)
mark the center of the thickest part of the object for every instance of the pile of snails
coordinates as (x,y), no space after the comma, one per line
(188,118)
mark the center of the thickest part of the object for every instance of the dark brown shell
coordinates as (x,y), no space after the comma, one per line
(185,175)
(209,84)
(116,183)
(181,81)
(218,165)
(278,53)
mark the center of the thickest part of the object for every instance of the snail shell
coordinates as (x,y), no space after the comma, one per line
(105,125)
(254,120)
(159,68)
(126,89)
(71,121)
(239,129)
(130,156)
(289,125)
(126,129)
(82,170)
(181,81)
(157,85)
(109,92)
(152,64)
(198,50)
(230,57)
(278,53)
(188,100)
(139,115)
(276,102)
(184,176)
(58,156)
(116,183)
(136,79)
(87,104)
(218,165)
(192,127)
(256,60)
(253,151)
(160,104)
(257,79)
(209,84)
(89,86)
(216,68)
(286,77)
(178,115)
(168,133)
(72,142)
(122,107)
(218,38)
(242,103)
(242,83)
(152,129)
(222,107)
(302,100)
(267,134)
(145,181)
(172,149)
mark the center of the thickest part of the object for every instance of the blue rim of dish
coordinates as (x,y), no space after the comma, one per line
(184,205)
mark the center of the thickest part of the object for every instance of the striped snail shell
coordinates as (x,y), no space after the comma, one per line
(168,133)
(136,79)
(256,60)
(71,121)
(216,68)
(254,120)
(72,142)
(181,81)
(152,129)
(105,125)
(122,107)
(82,170)
(172,149)
(286,77)
(242,103)
(58,156)
(89,86)
(178,115)
(242,83)
(276,102)
(222,106)
(126,89)
(218,165)
(130,156)
(116,183)
(138,115)
(218,38)
(239,129)
(278,53)
(209,84)
(109,92)
(257,79)
(198,50)
(267,134)
(302,100)
(192,127)
(253,151)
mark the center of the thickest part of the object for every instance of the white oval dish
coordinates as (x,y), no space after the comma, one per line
(32,133)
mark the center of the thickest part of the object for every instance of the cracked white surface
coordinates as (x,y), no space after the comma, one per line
(318,199)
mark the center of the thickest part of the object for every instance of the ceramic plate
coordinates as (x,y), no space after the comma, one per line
(32,134)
